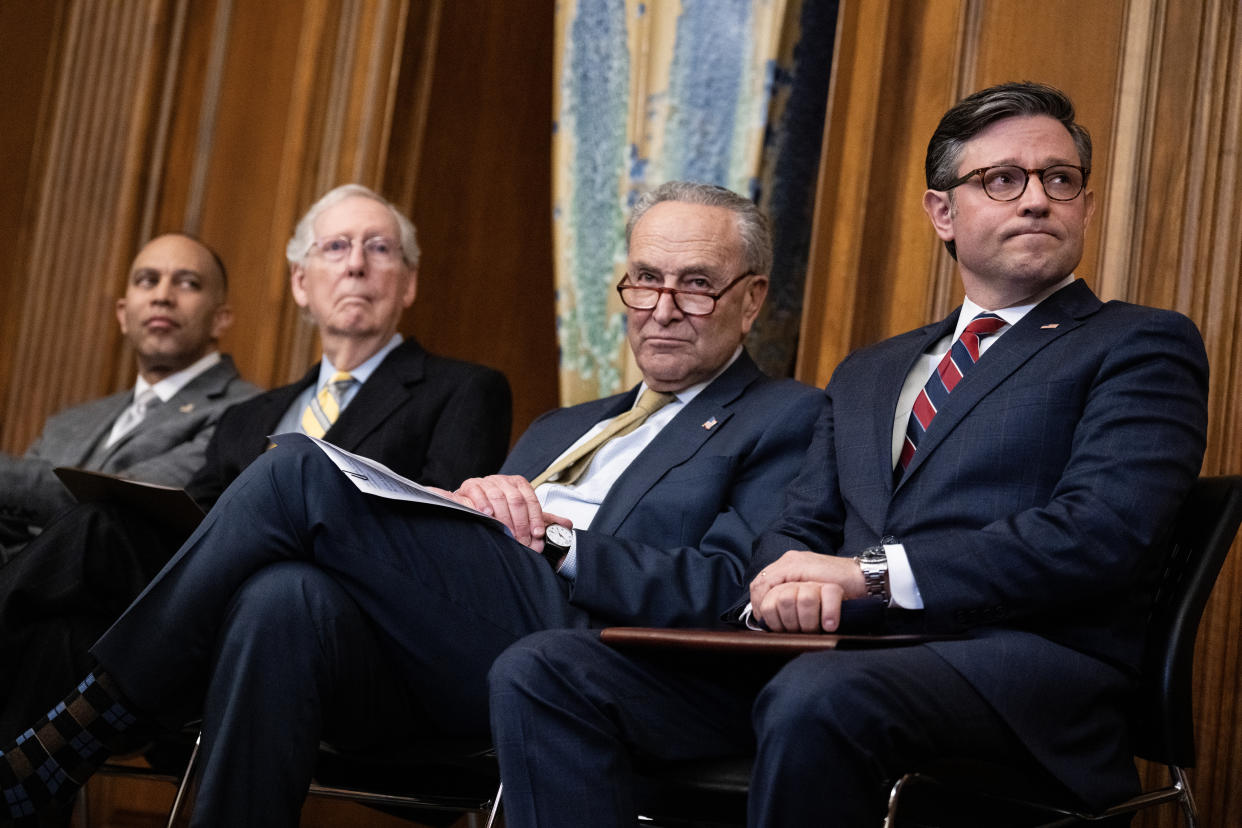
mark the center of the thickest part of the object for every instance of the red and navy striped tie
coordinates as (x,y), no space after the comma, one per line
(961,357)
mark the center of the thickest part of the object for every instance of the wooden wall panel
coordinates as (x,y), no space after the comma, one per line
(483,201)
(1159,84)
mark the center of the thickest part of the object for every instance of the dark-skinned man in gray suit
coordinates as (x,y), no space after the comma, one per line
(174,310)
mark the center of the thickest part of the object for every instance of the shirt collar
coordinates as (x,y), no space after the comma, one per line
(361,372)
(1012,315)
(166,388)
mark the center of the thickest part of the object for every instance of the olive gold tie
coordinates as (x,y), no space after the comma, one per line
(568,469)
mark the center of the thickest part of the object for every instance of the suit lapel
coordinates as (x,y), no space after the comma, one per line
(211,383)
(572,423)
(885,409)
(375,402)
(100,431)
(683,437)
(1047,322)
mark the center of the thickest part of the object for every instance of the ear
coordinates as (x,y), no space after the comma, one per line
(752,300)
(297,283)
(939,208)
(221,320)
(1089,204)
(411,288)
(120,315)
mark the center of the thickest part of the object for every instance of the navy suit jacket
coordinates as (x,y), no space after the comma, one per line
(429,418)
(1028,513)
(670,543)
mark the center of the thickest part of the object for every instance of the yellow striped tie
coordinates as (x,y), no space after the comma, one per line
(326,405)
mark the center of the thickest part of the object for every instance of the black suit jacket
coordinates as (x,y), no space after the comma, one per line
(432,419)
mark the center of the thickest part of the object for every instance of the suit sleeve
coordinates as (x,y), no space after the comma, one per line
(471,434)
(632,582)
(813,511)
(1135,449)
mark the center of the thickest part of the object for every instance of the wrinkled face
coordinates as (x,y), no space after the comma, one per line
(174,310)
(690,247)
(1012,250)
(360,294)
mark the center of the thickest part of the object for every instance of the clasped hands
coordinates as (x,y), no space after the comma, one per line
(510,499)
(802,591)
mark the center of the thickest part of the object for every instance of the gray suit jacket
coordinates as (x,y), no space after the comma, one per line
(167,447)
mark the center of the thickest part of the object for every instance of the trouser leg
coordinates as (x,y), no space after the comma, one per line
(449,593)
(62,592)
(570,714)
(296,660)
(835,729)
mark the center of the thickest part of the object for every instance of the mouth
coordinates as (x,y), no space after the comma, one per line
(158,324)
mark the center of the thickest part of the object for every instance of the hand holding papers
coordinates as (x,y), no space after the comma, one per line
(374,478)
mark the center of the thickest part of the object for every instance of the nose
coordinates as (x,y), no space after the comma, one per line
(162,293)
(666,311)
(356,261)
(1034,200)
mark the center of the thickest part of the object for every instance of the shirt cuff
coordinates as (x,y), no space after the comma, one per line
(901,584)
(569,566)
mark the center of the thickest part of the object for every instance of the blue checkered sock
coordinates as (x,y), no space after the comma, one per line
(49,762)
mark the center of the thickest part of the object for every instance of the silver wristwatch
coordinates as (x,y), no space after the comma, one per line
(874,565)
(557,541)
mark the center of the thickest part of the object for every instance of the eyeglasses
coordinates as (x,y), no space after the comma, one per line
(689,302)
(379,250)
(1062,182)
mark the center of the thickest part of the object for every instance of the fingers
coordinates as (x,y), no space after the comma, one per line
(801,607)
(511,500)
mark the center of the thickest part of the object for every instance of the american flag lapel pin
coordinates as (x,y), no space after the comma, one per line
(710,424)
(1050,327)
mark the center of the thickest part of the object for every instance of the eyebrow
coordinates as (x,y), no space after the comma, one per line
(1051,162)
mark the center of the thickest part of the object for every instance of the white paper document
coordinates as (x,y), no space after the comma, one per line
(374,478)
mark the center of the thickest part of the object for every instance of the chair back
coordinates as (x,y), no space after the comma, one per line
(1201,537)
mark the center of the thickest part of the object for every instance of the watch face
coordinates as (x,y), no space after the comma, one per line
(558,535)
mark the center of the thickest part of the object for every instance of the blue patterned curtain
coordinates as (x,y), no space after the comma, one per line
(731,92)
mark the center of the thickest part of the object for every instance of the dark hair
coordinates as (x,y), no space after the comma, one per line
(752,226)
(974,113)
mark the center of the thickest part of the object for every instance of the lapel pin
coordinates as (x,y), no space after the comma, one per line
(187,408)
(1050,327)
(710,424)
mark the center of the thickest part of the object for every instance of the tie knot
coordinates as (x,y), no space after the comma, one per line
(984,324)
(651,401)
(145,400)
(339,382)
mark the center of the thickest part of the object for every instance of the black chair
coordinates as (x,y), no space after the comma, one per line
(714,793)
(1163,716)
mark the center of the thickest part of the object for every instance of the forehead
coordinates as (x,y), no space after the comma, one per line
(355,215)
(1031,141)
(673,232)
(171,253)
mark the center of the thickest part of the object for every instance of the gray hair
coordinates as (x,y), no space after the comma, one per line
(752,225)
(304,234)
(974,113)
